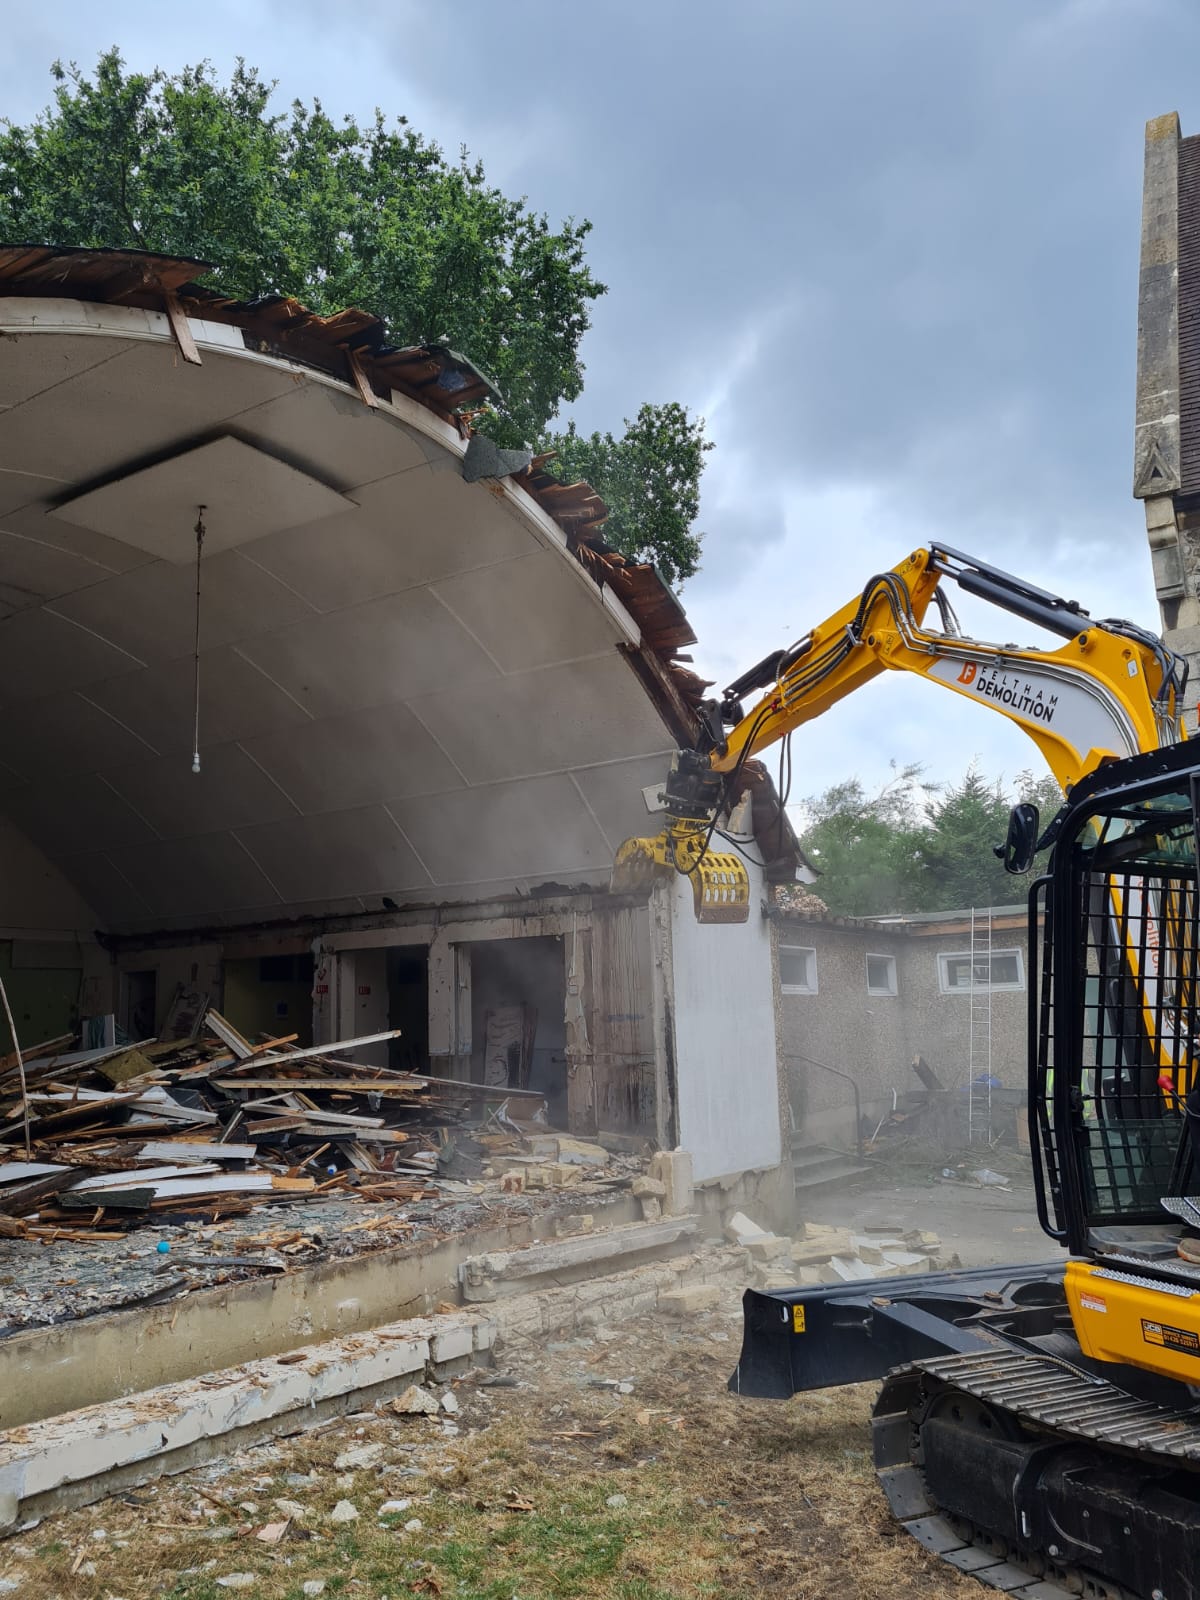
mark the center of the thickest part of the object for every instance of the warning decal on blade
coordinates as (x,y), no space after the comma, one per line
(1171,1338)
(797,1319)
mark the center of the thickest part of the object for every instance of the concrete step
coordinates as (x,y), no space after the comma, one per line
(817,1166)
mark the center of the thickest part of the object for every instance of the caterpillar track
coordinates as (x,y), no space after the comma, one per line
(1040,1479)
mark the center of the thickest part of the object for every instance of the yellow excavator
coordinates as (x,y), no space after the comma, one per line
(1038,1427)
(1111,691)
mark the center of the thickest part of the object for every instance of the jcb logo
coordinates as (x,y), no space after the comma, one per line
(967,675)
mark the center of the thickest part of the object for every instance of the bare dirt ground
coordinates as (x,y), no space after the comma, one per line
(612,1465)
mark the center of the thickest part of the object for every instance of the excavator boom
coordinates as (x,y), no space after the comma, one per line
(1110,691)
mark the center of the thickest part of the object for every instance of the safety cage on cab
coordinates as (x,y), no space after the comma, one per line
(1114,1021)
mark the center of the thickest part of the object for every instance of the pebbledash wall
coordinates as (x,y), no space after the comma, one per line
(866,997)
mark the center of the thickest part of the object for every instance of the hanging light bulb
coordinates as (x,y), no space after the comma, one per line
(199,531)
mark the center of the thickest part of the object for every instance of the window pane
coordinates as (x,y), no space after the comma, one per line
(797,968)
(881,974)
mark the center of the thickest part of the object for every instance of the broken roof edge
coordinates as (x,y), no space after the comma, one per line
(352,347)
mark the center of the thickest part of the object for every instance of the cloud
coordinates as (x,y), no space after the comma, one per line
(891,250)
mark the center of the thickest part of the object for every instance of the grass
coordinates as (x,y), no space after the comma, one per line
(554,1492)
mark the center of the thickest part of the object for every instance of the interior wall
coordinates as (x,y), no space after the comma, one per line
(270,995)
(508,972)
(34,894)
(43,982)
(726,1061)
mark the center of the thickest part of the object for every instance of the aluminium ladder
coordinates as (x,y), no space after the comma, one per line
(979,1037)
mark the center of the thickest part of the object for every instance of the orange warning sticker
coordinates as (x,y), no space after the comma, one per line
(1093,1302)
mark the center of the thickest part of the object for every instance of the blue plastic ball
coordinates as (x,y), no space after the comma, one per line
(163,1246)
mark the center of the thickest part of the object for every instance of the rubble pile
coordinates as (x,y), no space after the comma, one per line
(819,1254)
(211,1126)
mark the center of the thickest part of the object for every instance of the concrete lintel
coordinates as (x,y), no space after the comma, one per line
(482,1276)
(83,1455)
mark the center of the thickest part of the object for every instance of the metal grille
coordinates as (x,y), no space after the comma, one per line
(1137,999)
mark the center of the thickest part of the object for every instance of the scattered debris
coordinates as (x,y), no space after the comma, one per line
(415,1402)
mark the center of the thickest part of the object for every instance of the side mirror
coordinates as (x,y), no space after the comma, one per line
(1020,847)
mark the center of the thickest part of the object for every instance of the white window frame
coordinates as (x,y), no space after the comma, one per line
(892,986)
(943,966)
(810,966)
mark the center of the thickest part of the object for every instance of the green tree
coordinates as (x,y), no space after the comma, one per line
(956,846)
(864,845)
(885,853)
(651,482)
(338,214)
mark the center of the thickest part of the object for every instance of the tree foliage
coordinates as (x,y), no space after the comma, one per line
(888,852)
(338,214)
(650,478)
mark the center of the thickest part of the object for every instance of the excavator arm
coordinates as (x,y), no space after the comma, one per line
(1111,690)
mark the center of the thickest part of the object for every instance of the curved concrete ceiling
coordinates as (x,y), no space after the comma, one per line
(409,688)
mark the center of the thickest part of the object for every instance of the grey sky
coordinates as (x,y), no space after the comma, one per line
(889,249)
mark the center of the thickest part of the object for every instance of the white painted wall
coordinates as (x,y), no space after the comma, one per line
(725,1044)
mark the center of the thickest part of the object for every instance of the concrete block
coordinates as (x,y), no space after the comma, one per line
(835,1242)
(648,1188)
(651,1208)
(572,1227)
(778,1280)
(579,1153)
(768,1247)
(740,1229)
(846,1269)
(513,1271)
(673,1169)
(452,1343)
(512,1182)
(688,1301)
(921,1240)
(904,1263)
(871,1250)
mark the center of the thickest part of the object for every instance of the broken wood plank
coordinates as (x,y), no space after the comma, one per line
(19,1171)
(116,1199)
(326,1049)
(322,1085)
(142,1176)
(26,1197)
(228,1034)
(198,1150)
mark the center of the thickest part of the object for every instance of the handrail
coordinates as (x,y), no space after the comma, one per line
(796,1055)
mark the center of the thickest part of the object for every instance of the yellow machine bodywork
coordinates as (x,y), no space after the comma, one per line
(1099,697)
(1142,1325)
